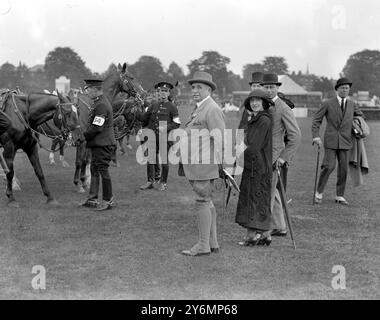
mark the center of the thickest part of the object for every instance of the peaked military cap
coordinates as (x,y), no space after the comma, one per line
(93,83)
(163,84)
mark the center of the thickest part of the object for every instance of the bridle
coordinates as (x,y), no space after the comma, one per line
(60,121)
(125,80)
(127,130)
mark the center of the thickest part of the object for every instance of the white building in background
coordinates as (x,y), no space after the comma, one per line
(62,84)
(363,100)
(303,99)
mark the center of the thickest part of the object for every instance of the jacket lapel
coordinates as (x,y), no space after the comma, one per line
(197,111)
(347,109)
(200,108)
(337,109)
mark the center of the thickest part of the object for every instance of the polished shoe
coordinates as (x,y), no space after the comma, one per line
(105,205)
(249,242)
(89,203)
(341,200)
(279,233)
(318,198)
(148,185)
(214,250)
(162,187)
(194,254)
(264,240)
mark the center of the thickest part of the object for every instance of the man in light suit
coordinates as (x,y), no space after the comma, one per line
(201,159)
(284,122)
(339,112)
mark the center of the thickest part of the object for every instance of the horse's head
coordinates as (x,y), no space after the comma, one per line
(123,81)
(73,95)
(67,119)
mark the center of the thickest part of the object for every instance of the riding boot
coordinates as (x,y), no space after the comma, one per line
(94,187)
(107,189)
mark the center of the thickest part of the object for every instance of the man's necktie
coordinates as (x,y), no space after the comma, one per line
(342,105)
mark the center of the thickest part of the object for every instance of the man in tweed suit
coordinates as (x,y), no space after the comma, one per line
(339,112)
(201,163)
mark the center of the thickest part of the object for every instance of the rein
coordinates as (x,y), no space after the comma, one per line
(65,132)
(127,130)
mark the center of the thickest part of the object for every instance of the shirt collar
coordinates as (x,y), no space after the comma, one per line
(200,102)
(275,98)
(340,99)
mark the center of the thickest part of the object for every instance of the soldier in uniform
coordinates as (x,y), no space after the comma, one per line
(100,139)
(158,113)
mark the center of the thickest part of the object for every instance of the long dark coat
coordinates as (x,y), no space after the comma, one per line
(254,205)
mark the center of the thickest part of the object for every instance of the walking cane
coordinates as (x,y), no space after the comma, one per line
(229,185)
(316,173)
(285,206)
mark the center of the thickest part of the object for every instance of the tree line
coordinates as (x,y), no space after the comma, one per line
(363,68)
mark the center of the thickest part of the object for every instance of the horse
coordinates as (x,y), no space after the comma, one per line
(117,81)
(125,121)
(83,103)
(50,130)
(27,112)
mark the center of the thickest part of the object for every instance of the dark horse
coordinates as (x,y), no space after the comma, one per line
(50,130)
(27,112)
(125,120)
(116,82)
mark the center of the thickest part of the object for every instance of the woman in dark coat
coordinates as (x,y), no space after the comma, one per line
(254,205)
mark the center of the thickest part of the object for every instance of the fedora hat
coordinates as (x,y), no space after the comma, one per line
(257,93)
(202,77)
(341,82)
(164,84)
(270,78)
(257,77)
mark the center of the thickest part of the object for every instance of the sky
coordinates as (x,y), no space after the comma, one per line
(321,34)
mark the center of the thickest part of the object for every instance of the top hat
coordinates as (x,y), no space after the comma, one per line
(341,82)
(202,77)
(163,84)
(97,83)
(270,78)
(257,77)
(257,93)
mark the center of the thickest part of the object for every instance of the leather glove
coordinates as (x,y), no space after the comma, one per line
(317,141)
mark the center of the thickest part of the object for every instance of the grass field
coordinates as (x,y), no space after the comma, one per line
(132,252)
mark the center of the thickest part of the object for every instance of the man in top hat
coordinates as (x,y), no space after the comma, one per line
(284,123)
(255,83)
(161,117)
(100,139)
(201,160)
(339,112)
